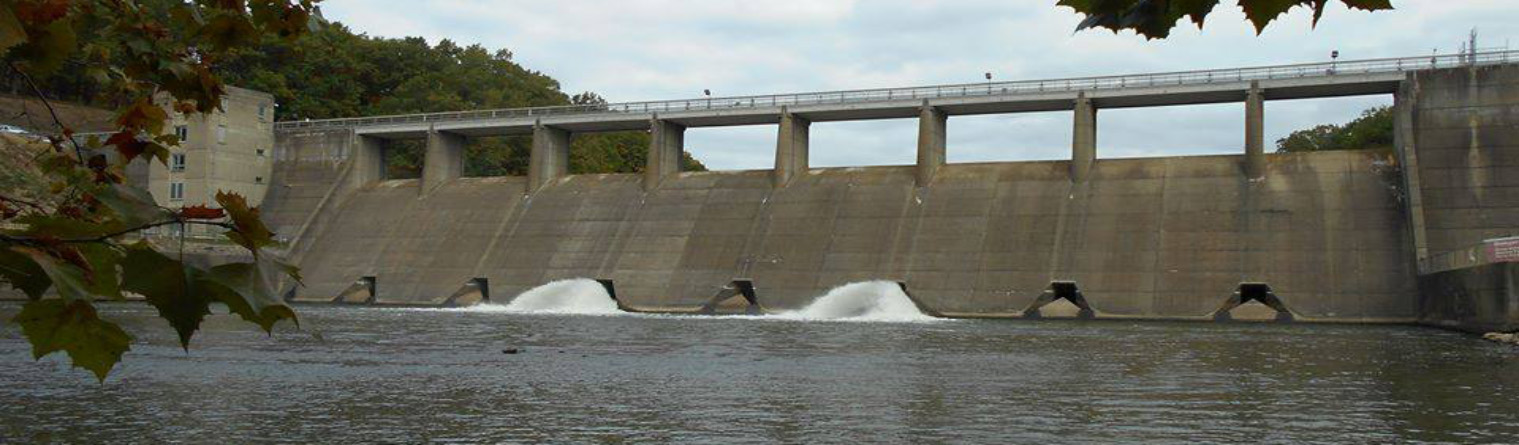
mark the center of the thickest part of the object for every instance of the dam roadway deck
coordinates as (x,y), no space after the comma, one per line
(1298,81)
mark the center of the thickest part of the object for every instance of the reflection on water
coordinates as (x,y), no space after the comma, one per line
(414,375)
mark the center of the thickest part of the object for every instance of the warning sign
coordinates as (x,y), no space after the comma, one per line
(1503,250)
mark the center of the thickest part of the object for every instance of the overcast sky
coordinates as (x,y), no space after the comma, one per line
(631,50)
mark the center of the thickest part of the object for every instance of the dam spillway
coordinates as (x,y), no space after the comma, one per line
(1334,234)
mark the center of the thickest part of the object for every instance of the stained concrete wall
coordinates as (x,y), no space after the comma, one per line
(1477,299)
(1157,238)
(1462,134)
(1466,124)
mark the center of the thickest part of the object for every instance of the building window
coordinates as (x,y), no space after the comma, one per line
(258,180)
(262,111)
(260,152)
(177,162)
(176,191)
(182,132)
(221,134)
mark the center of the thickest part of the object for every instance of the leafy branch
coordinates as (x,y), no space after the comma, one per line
(1154,19)
(69,247)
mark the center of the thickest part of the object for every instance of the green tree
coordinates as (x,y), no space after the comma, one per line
(1372,130)
(1154,19)
(334,73)
(70,245)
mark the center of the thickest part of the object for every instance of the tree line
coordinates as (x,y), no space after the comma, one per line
(334,72)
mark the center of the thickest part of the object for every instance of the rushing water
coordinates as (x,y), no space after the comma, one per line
(579,296)
(405,375)
(867,301)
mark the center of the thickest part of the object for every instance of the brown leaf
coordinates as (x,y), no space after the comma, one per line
(128,145)
(201,212)
(142,116)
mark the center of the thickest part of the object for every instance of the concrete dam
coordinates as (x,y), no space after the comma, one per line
(1415,236)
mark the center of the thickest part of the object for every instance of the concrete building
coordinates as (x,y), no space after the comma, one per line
(228,150)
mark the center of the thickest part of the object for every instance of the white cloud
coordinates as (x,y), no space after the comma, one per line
(630,50)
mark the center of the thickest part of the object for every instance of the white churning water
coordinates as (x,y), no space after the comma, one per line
(577,296)
(864,301)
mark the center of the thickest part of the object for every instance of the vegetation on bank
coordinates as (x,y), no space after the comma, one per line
(1372,130)
(335,73)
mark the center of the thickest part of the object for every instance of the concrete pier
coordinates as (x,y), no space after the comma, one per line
(932,132)
(667,141)
(550,159)
(444,160)
(1083,139)
(791,148)
(368,161)
(1255,132)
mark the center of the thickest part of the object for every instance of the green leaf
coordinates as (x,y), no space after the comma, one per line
(1154,19)
(249,290)
(68,279)
(1262,12)
(168,286)
(74,327)
(133,206)
(59,227)
(251,232)
(22,273)
(228,30)
(47,48)
(103,280)
(11,32)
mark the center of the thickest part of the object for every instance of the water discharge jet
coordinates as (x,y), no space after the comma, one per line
(577,296)
(864,301)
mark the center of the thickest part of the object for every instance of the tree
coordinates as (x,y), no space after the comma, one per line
(1154,19)
(70,244)
(1373,130)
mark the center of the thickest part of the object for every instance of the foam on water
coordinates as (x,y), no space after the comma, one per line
(864,301)
(577,296)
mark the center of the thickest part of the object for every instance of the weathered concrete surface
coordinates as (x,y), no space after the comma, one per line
(1466,124)
(1477,299)
(1156,238)
(1461,139)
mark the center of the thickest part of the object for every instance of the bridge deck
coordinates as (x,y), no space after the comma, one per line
(1349,78)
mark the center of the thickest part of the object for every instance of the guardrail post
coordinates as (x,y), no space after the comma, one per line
(1084,138)
(932,132)
(550,158)
(791,147)
(667,142)
(1255,132)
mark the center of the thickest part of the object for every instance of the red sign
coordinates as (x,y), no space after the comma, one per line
(1503,250)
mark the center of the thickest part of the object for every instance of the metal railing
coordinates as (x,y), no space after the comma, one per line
(1011,88)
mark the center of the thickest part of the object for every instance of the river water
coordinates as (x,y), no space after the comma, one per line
(413,375)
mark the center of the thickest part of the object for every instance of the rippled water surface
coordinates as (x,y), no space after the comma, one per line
(403,375)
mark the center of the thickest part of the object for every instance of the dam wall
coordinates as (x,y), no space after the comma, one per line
(1345,236)
(1144,238)
(1461,128)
